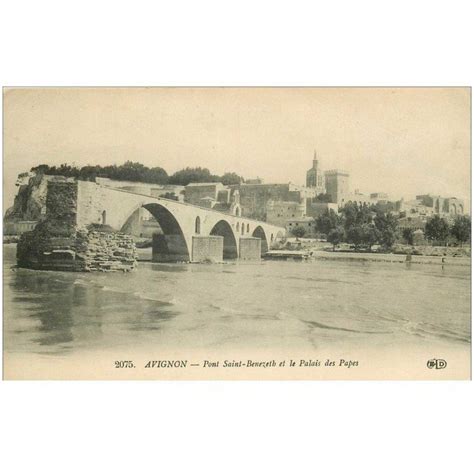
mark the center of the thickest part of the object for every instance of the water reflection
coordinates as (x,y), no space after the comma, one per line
(53,301)
(61,311)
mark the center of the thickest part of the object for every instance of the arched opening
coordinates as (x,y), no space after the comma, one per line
(104,217)
(141,224)
(243,229)
(237,211)
(170,246)
(260,233)
(197,225)
(248,228)
(224,229)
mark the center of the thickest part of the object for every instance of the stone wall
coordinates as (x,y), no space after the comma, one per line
(58,243)
(83,251)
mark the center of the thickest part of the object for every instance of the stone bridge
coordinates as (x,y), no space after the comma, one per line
(187,229)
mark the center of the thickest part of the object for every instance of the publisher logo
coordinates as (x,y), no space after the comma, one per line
(436,364)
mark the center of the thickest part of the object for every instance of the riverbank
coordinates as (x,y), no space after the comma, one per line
(391,258)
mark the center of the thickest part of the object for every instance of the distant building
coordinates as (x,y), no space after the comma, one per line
(214,196)
(307,223)
(169,191)
(379,196)
(254,198)
(203,194)
(256,180)
(280,212)
(359,198)
(337,186)
(427,205)
(315,177)
(315,209)
(442,205)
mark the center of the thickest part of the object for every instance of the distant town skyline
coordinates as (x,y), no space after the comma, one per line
(402,141)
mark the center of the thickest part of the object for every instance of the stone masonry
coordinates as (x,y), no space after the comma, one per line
(58,243)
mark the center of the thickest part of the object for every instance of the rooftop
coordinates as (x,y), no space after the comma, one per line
(205,184)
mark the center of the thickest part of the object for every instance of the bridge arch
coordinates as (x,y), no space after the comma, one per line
(224,229)
(260,233)
(171,246)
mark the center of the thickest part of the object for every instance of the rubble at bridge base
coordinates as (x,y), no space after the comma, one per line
(82,250)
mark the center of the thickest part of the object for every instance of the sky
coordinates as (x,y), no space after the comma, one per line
(403,141)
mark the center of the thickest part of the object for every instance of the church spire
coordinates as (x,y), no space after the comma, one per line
(315,160)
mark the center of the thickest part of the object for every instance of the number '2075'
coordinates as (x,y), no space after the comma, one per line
(124,364)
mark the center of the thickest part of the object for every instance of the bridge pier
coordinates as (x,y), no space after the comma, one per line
(250,248)
(169,248)
(208,248)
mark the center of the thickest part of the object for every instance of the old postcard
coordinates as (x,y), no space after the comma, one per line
(237,233)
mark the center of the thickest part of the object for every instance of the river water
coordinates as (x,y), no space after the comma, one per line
(263,305)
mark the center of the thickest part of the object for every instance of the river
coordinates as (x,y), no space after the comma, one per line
(296,305)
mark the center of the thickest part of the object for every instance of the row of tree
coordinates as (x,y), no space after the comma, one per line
(134,171)
(359,225)
(439,231)
(364,226)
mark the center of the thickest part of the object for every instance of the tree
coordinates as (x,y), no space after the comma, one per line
(231,178)
(437,230)
(355,236)
(298,231)
(355,214)
(408,235)
(129,171)
(327,221)
(386,225)
(336,236)
(370,235)
(193,175)
(461,229)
